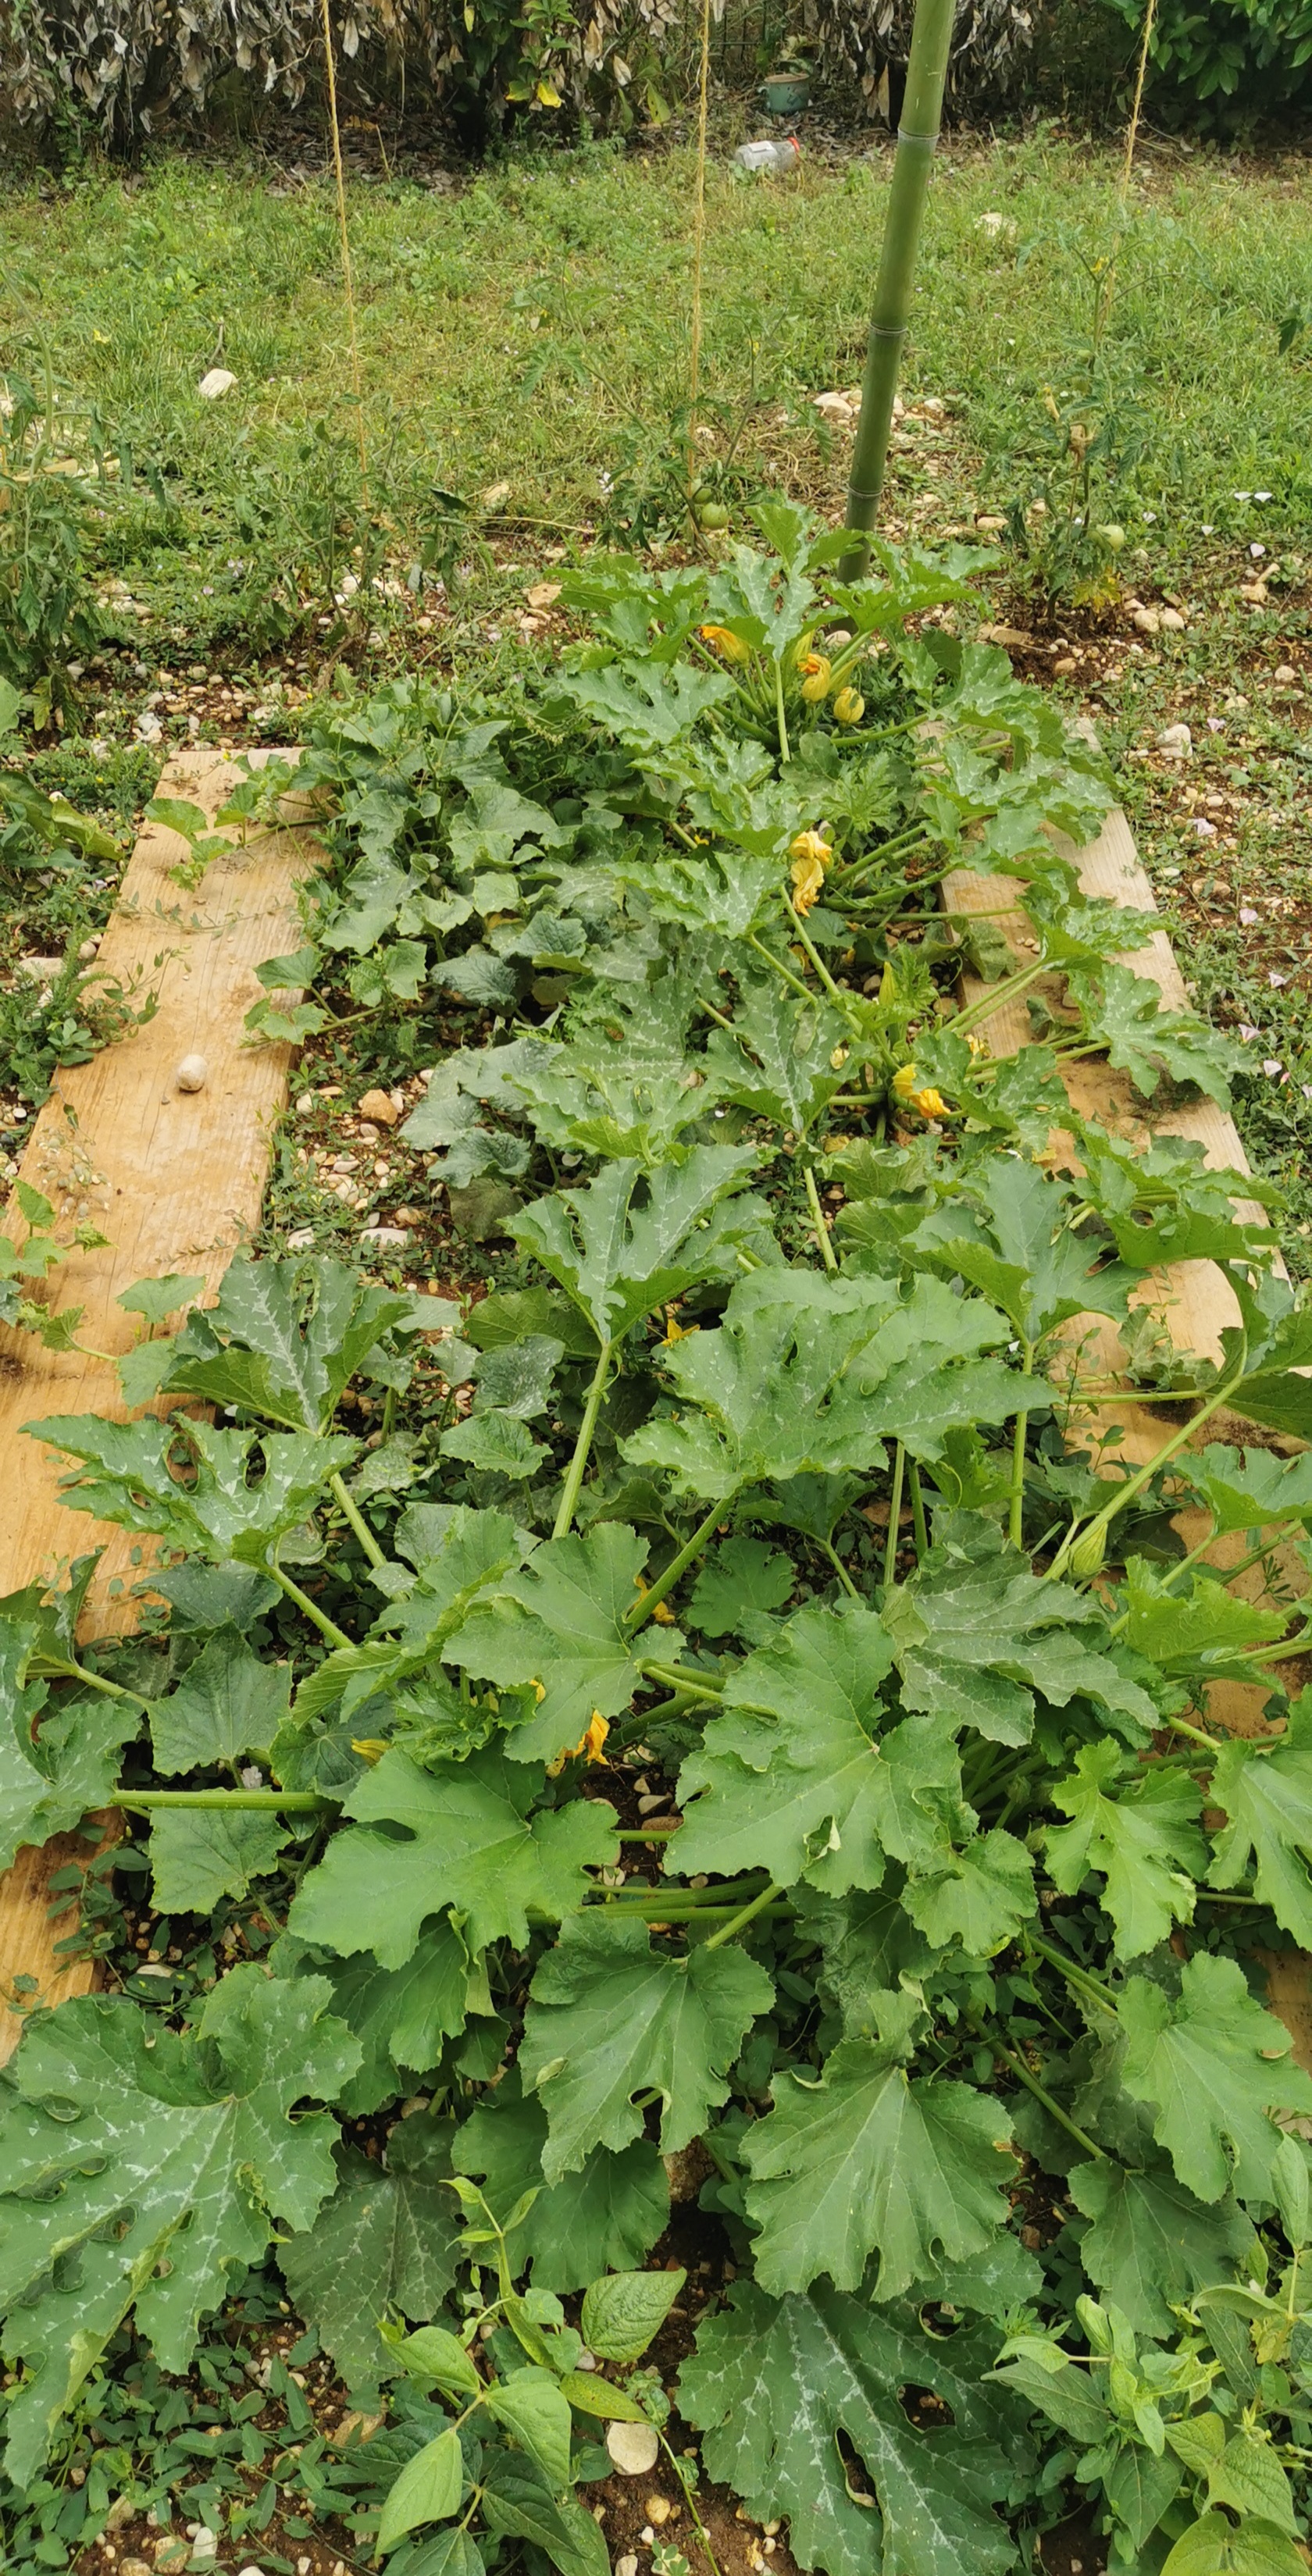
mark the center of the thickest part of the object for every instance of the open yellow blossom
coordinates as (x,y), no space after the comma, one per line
(923,1098)
(815,669)
(849,706)
(810,855)
(730,648)
(592,1742)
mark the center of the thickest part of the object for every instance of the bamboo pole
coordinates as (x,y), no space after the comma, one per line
(922,109)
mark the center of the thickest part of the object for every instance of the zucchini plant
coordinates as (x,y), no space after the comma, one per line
(946,1958)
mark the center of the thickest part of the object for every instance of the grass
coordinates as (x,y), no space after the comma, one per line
(524,354)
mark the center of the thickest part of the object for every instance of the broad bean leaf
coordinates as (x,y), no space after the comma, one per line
(559,1626)
(1150,2244)
(160,2178)
(808,1374)
(531,2406)
(621,2314)
(631,1240)
(868,2161)
(799,1772)
(517,2501)
(1266,1792)
(611,2017)
(227,1704)
(1145,1839)
(774,2382)
(602,2218)
(387,2239)
(1211,2067)
(51,1778)
(1215,2546)
(978,1636)
(466,1840)
(198,1855)
(428,2489)
(210,1506)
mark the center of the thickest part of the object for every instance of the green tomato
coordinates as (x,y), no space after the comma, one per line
(712,514)
(1113,538)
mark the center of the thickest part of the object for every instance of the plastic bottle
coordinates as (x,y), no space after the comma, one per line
(769,155)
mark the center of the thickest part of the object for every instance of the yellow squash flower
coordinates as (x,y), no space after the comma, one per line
(810,855)
(849,706)
(592,1742)
(926,1102)
(815,669)
(730,647)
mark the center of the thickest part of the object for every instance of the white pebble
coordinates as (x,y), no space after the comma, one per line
(193,1073)
(220,380)
(634,2448)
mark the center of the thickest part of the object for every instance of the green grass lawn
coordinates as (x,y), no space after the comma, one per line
(525,337)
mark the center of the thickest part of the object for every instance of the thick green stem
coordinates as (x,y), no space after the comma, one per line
(1077,1978)
(780,718)
(918,1513)
(292,1802)
(894,1518)
(779,966)
(569,1493)
(351,1509)
(828,1549)
(739,1922)
(833,990)
(922,108)
(827,1253)
(319,1618)
(651,1600)
(697,1686)
(97,1682)
(1015,1523)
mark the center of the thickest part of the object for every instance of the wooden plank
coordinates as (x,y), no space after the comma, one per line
(1195,1298)
(175,1180)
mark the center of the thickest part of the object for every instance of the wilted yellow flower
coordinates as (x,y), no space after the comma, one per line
(815,669)
(730,648)
(370,1748)
(926,1102)
(849,706)
(592,1742)
(810,854)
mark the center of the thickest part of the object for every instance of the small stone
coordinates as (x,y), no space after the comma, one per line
(134,2567)
(220,380)
(990,525)
(379,1106)
(250,2571)
(1175,740)
(91,947)
(40,970)
(193,1073)
(658,2508)
(1063,669)
(1148,620)
(385,1238)
(1171,620)
(626,2566)
(204,2547)
(302,1240)
(303,2566)
(634,2448)
(585,2360)
(170,2556)
(1286,675)
(305,1104)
